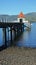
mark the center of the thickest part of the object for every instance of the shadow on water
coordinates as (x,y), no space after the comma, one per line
(8,42)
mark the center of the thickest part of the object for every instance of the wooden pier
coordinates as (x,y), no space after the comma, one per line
(17,27)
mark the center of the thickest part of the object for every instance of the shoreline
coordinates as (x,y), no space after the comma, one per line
(3,47)
(18,56)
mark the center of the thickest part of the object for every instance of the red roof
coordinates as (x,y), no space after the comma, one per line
(21,15)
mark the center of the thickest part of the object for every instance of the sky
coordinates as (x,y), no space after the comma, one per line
(14,7)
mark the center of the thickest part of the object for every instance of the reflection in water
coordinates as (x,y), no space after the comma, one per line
(27,39)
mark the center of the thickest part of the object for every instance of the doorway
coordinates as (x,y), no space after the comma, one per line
(20,20)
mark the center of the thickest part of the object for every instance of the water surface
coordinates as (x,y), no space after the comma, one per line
(27,39)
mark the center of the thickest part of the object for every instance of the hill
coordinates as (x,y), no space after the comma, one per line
(29,16)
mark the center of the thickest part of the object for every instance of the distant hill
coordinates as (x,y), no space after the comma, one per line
(29,16)
(8,18)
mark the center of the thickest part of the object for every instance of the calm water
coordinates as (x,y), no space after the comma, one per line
(27,39)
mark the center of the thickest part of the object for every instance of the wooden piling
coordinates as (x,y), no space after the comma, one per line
(5,38)
(11,35)
(8,34)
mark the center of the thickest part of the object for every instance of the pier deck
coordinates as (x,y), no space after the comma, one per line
(6,24)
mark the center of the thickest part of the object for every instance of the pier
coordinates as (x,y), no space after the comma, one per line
(17,26)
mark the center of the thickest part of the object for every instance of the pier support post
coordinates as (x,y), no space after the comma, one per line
(22,27)
(14,34)
(8,34)
(11,35)
(4,36)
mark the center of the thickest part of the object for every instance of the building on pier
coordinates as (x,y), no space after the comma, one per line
(21,17)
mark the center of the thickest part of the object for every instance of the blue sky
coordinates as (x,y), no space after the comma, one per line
(13,7)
